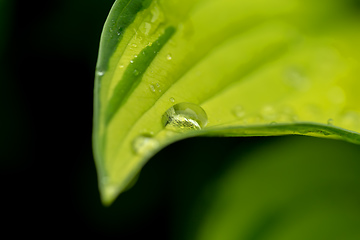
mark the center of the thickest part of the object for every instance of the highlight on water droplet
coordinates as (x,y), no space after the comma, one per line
(135,56)
(136,72)
(144,144)
(152,88)
(268,113)
(184,116)
(100,73)
(168,57)
(330,121)
(131,61)
(121,66)
(238,111)
(172,99)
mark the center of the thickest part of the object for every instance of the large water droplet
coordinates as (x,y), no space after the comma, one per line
(184,116)
(144,144)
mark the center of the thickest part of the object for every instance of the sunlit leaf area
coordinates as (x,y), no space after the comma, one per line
(168,119)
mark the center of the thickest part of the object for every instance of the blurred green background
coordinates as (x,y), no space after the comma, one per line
(201,188)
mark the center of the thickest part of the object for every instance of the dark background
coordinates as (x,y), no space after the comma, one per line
(48,55)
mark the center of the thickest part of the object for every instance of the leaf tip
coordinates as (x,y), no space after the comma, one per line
(108,194)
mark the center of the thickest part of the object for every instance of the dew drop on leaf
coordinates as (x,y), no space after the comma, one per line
(144,143)
(268,113)
(136,72)
(152,88)
(330,121)
(100,73)
(168,57)
(172,99)
(238,111)
(184,116)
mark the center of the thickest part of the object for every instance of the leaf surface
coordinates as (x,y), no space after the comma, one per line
(256,68)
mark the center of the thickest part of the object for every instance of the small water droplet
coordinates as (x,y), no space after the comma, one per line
(155,13)
(152,88)
(136,72)
(184,116)
(157,85)
(144,144)
(147,28)
(168,57)
(238,111)
(100,73)
(118,33)
(121,66)
(172,99)
(135,56)
(330,121)
(134,45)
(131,61)
(111,29)
(268,113)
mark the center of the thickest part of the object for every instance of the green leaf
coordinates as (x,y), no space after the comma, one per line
(229,68)
(290,188)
